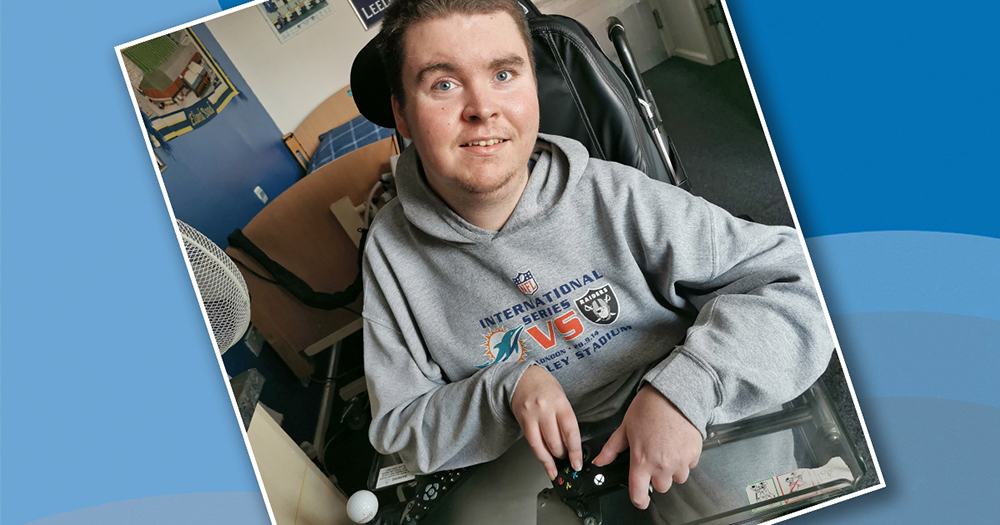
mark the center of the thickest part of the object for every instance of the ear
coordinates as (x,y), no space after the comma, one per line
(401,126)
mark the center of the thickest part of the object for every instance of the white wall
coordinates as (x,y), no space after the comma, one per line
(644,39)
(687,32)
(648,44)
(291,79)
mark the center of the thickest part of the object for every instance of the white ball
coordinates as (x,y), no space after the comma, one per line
(362,506)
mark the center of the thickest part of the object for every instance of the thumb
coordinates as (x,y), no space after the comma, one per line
(616,444)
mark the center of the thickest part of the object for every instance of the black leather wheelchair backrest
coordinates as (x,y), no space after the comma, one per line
(583,95)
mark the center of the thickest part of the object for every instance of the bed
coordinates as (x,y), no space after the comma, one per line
(298,230)
(332,130)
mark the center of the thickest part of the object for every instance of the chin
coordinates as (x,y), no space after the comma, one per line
(489,185)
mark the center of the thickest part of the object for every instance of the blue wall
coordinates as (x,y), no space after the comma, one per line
(212,171)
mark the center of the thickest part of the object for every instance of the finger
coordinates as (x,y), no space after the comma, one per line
(534,439)
(616,444)
(553,439)
(638,485)
(681,475)
(661,483)
(571,437)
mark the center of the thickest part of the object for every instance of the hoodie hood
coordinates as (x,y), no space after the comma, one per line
(559,166)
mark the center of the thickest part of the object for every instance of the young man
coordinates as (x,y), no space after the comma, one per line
(517,285)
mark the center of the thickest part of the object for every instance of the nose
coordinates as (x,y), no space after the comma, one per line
(480,104)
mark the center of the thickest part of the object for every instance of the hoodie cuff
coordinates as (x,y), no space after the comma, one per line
(689,385)
(504,383)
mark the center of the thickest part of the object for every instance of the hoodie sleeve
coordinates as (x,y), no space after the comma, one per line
(433,422)
(760,335)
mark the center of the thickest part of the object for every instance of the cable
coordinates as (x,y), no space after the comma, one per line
(322,452)
(368,202)
(251,270)
(272,281)
(337,378)
(353,311)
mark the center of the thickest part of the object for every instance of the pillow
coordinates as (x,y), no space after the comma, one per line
(343,139)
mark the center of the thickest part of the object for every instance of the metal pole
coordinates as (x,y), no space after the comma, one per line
(616,33)
(319,440)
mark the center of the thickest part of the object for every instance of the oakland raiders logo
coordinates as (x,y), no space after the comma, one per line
(599,306)
(525,282)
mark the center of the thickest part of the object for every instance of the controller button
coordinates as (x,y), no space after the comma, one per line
(599,479)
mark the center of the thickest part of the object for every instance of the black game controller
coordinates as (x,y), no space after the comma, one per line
(592,481)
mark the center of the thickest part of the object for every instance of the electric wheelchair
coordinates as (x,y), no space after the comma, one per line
(786,459)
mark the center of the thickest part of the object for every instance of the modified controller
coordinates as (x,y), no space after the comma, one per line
(410,503)
(430,489)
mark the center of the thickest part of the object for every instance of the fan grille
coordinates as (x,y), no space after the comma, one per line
(223,291)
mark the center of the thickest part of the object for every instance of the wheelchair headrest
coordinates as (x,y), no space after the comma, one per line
(370,86)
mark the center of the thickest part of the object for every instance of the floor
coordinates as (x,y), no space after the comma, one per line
(710,115)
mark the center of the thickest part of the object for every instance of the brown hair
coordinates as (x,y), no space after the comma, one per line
(402,13)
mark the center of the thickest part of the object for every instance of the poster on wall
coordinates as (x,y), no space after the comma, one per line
(288,18)
(177,84)
(370,11)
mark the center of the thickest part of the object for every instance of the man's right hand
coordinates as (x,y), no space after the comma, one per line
(547,419)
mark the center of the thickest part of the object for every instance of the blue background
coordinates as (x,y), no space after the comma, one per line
(113,405)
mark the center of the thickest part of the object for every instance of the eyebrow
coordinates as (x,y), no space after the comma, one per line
(507,61)
(448,67)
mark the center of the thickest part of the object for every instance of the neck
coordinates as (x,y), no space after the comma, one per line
(489,211)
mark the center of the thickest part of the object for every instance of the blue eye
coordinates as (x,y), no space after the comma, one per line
(503,76)
(444,85)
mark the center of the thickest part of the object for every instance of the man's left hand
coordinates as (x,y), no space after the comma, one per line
(664,445)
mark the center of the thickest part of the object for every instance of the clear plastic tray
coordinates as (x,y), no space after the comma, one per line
(750,471)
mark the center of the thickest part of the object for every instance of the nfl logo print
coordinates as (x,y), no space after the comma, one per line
(526,282)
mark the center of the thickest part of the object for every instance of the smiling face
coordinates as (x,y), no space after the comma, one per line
(471,104)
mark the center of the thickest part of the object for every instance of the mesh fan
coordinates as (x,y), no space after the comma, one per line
(223,291)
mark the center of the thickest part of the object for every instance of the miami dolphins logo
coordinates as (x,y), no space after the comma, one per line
(502,344)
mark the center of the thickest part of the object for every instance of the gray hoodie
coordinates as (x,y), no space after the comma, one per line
(601,275)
